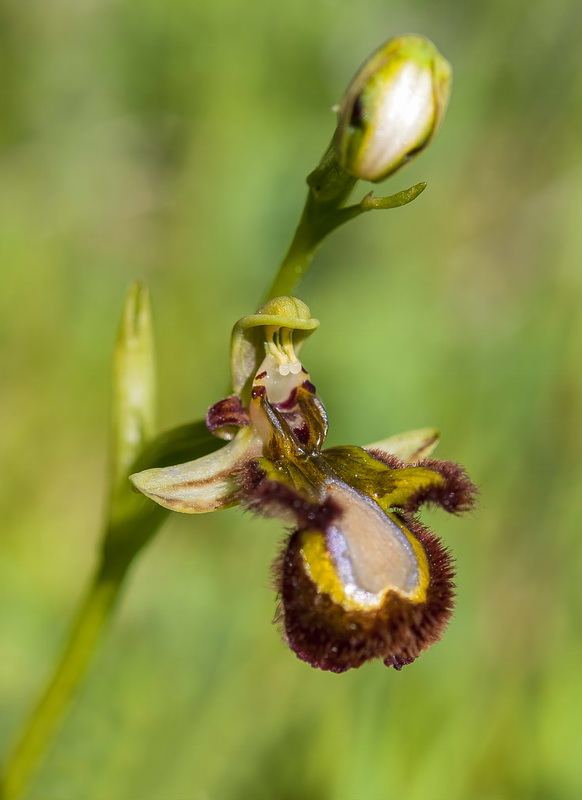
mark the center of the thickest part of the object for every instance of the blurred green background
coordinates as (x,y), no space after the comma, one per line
(169,140)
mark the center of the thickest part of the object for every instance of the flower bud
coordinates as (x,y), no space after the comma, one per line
(392,108)
(134,386)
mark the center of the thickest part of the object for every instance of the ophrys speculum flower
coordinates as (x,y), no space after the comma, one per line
(359,577)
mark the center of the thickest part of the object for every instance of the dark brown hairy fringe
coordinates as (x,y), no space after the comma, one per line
(329,637)
(456,495)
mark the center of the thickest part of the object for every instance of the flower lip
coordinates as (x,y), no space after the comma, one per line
(362,578)
(371,553)
(332,637)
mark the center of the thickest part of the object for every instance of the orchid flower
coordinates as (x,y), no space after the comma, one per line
(359,576)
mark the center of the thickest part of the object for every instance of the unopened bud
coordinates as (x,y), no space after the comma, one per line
(392,108)
(134,383)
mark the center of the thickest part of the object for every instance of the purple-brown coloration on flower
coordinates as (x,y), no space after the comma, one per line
(224,417)
(456,495)
(359,577)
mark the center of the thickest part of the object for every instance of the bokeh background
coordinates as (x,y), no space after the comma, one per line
(169,140)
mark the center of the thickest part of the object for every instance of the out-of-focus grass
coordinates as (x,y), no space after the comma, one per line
(169,140)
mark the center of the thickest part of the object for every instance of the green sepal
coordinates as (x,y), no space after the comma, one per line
(204,483)
(410,446)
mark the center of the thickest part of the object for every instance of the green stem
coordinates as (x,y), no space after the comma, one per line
(318,221)
(329,188)
(298,258)
(133,521)
(92,618)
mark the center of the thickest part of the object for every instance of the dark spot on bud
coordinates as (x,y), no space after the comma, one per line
(309,386)
(261,375)
(419,147)
(357,114)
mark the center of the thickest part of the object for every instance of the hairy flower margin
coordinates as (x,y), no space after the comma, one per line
(359,576)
